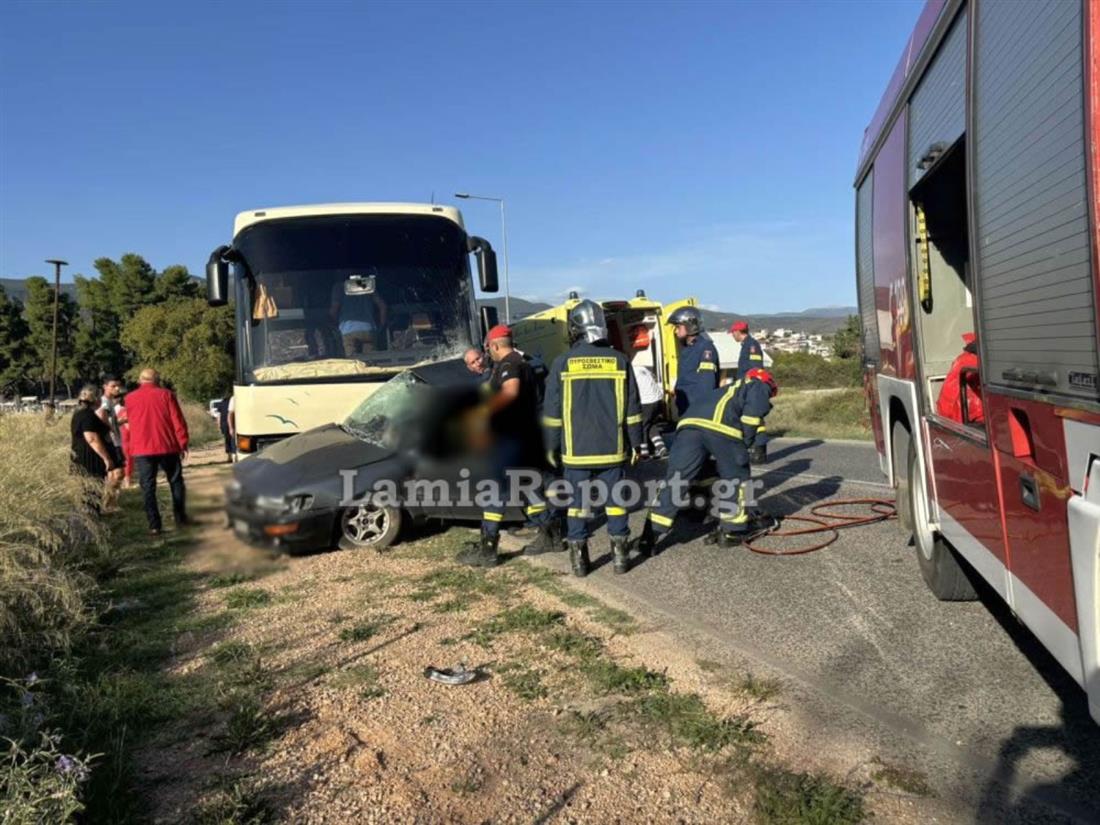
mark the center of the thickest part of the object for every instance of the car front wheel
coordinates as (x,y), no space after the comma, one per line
(369,527)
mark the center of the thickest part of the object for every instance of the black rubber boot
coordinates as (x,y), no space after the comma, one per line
(481,553)
(723,538)
(759,454)
(646,542)
(620,553)
(547,541)
(578,558)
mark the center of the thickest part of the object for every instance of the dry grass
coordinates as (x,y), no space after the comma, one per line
(834,413)
(201,426)
(49,537)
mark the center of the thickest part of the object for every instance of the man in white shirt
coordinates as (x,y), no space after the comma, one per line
(649,394)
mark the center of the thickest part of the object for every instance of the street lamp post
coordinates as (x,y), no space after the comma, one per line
(57,264)
(504,243)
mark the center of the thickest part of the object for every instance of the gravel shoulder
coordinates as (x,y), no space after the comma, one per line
(320,710)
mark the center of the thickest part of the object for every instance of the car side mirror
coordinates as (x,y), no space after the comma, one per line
(489,319)
(217,278)
(486,263)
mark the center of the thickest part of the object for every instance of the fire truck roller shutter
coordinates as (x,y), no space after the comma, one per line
(865,269)
(1034,273)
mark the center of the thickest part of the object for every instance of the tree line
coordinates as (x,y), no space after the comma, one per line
(129,317)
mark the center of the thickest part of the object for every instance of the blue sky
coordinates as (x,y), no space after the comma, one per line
(683,148)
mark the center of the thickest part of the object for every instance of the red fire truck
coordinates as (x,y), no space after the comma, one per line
(977,196)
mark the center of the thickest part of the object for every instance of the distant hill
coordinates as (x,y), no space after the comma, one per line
(824,321)
(15,288)
(520,308)
(819,320)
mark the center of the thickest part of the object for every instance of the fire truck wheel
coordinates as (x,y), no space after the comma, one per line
(900,445)
(940,567)
(369,527)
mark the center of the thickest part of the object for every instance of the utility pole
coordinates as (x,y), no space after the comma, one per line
(57,264)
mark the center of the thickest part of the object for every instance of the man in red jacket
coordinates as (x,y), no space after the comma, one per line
(158,441)
(963,373)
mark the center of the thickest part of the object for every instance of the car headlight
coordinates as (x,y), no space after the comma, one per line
(274,504)
(299,504)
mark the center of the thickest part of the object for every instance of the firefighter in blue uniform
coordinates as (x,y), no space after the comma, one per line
(512,410)
(751,358)
(697,372)
(723,424)
(592,421)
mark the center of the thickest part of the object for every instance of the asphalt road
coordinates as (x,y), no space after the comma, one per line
(960,691)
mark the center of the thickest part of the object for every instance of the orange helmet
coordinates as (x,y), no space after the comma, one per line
(639,336)
(763,375)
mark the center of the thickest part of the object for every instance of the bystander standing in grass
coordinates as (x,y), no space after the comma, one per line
(108,414)
(91,452)
(158,437)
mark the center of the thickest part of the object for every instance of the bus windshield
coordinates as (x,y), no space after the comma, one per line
(351,295)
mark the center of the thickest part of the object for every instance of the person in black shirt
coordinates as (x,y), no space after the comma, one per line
(513,421)
(90,451)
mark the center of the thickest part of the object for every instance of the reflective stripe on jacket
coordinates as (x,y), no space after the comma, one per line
(737,411)
(591,413)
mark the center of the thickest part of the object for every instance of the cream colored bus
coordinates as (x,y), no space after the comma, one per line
(332,300)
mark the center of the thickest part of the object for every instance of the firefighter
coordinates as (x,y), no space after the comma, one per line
(513,421)
(697,373)
(723,424)
(592,419)
(752,357)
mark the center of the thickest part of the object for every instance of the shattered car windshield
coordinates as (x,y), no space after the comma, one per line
(375,419)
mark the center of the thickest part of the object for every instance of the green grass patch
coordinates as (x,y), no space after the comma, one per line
(524,682)
(760,689)
(907,780)
(247,598)
(554,583)
(362,631)
(688,722)
(235,801)
(248,726)
(574,643)
(361,678)
(785,797)
(521,619)
(606,677)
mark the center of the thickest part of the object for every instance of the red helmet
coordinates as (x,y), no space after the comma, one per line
(639,336)
(739,326)
(763,375)
(499,331)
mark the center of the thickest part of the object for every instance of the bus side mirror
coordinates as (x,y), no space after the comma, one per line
(489,319)
(486,263)
(217,278)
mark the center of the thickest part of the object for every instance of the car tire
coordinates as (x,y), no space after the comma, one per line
(941,568)
(368,527)
(899,444)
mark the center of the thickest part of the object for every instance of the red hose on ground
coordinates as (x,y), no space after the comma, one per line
(824,522)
